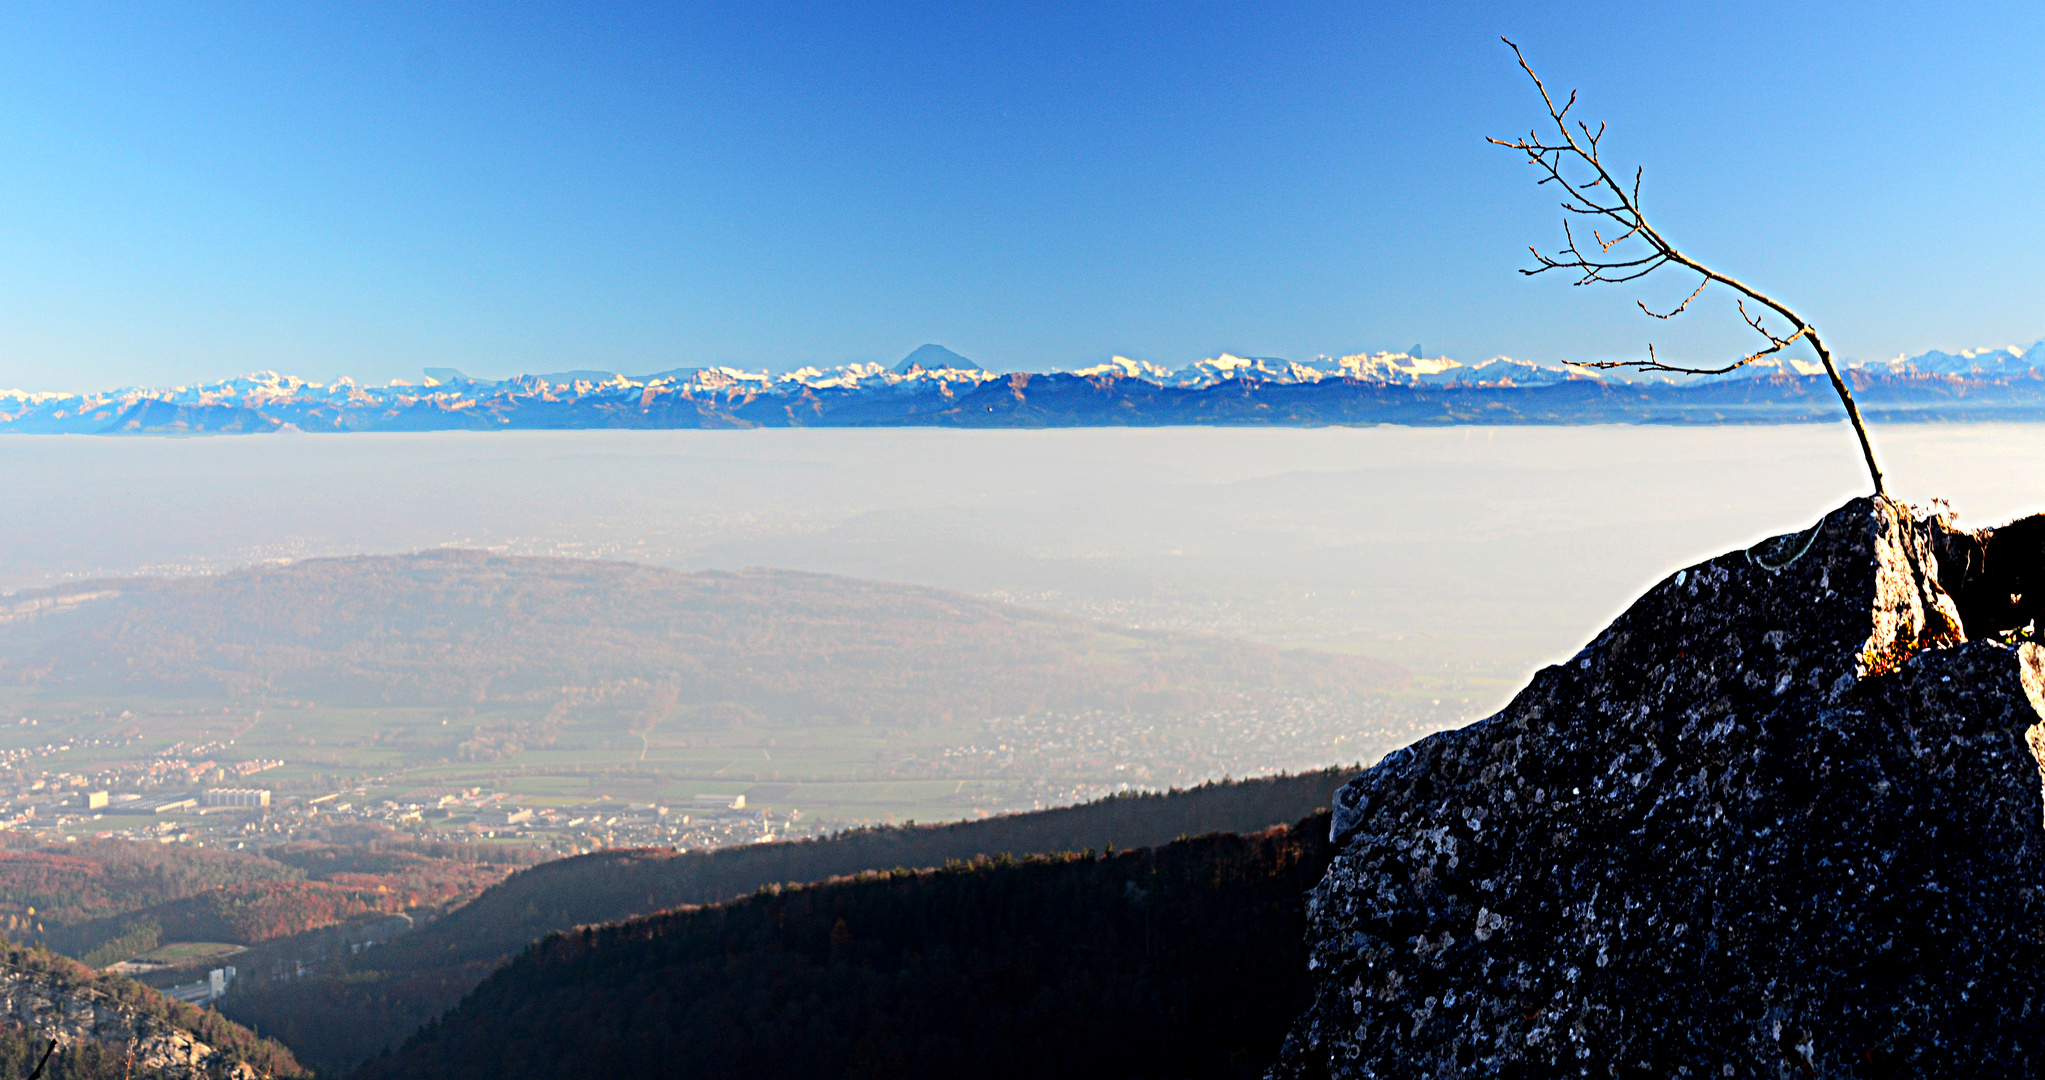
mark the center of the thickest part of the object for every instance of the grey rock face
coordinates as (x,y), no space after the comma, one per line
(1778,820)
(73,1015)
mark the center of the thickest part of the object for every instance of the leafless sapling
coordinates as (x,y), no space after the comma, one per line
(1635,249)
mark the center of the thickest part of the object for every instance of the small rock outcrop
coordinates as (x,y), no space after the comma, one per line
(73,1015)
(1780,819)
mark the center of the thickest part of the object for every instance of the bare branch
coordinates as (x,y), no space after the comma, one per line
(1678,309)
(1590,190)
(1654,363)
(1755,320)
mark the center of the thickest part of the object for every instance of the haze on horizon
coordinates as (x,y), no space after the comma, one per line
(1470,555)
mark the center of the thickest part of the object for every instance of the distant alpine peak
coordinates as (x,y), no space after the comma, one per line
(934,358)
(1380,368)
(2004,361)
(1409,370)
(34,397)
(1786,365)
(1126,368)
(1398,367)
(1228,366)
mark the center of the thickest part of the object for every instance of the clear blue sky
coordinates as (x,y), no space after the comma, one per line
(194,191)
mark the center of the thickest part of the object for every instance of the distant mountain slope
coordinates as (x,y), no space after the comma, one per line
(1183,960)
(934,358)
(466,628)
(339,1018)
(68,884)
(936,387)
(101,901)
(246,915)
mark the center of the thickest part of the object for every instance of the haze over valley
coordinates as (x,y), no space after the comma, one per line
(1446,563)
(809,700)
(1485,550)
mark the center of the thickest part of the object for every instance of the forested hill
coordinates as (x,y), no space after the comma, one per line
(612,885)
(1184,960)
(468,629)
(339,1018)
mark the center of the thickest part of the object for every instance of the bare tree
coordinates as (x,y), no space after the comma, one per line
(1635,250)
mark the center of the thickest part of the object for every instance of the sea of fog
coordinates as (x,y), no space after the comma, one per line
(1471,555)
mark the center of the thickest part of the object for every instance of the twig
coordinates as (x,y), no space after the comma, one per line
(1589,190)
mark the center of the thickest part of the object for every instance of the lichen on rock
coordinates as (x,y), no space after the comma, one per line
(1780,819)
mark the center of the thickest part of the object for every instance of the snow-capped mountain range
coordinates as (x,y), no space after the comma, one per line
(934,385)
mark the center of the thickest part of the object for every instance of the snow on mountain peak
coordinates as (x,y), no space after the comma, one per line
(930,369)
(1776,365)
(1230,366)
(1123,366)
(34,397)
(1993,362)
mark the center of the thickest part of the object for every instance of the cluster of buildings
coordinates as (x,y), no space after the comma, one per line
(705,821)
(155,798)
(154,784)
(254,817)
(129,815)
(1058,759)
(67,807)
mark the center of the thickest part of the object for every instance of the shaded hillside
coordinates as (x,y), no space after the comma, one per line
(249,914)
(650,645)
(363,1004)
(106,900)
(1184,961)
(62,885)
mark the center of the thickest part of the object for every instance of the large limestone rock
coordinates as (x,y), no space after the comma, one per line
(1778,820)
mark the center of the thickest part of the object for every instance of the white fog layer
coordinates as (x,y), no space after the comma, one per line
(1469,555)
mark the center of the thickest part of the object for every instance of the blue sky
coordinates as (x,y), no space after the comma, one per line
(196,191)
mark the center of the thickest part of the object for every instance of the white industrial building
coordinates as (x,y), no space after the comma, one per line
(236,797)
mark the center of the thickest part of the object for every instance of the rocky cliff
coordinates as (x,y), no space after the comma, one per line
(111,1027)
(1780,819)
(75,1015)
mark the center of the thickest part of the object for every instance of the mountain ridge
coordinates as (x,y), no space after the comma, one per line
(934,387)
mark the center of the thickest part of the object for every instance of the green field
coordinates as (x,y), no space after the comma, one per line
(184,952)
